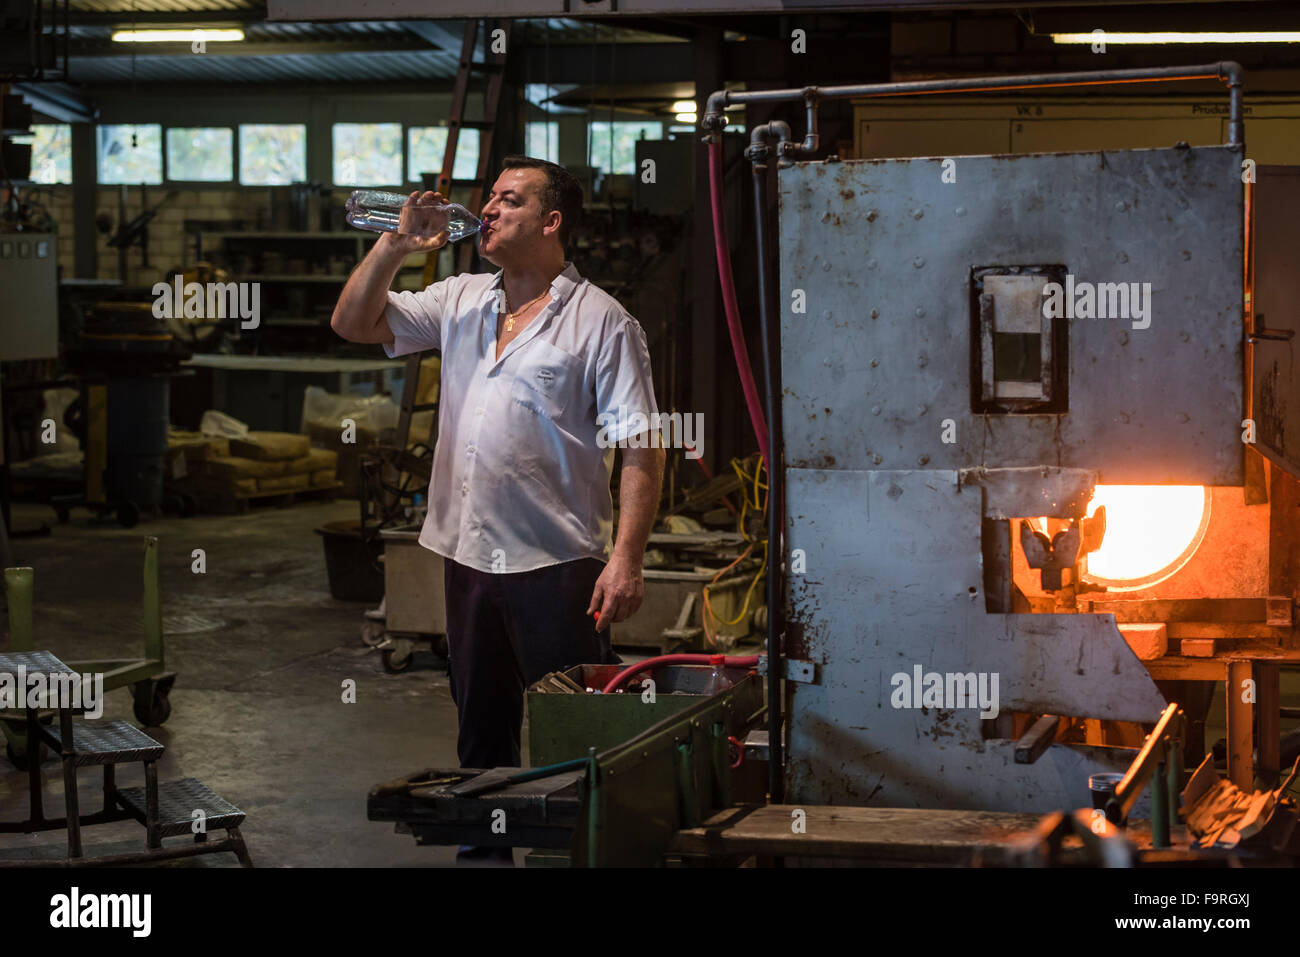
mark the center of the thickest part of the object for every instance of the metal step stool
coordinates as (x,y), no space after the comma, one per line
(165,810)
(109,743)
(173,813)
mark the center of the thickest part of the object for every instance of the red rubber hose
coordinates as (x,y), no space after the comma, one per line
(730,661)
(729,306)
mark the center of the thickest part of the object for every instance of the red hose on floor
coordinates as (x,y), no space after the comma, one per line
(729,299)
(730,661)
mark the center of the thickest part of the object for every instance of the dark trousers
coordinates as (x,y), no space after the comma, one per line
(506,631)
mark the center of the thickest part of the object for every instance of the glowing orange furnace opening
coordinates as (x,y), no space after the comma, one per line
(1151,532)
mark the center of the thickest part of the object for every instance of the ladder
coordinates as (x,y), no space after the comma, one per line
(493,68)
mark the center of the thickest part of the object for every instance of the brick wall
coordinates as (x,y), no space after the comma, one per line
(166,236)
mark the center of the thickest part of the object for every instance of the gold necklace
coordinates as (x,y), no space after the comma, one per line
(510,316)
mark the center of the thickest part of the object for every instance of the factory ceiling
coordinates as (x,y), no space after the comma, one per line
(601,52)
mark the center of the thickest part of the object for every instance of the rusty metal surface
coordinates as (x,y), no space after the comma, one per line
(1018,493)
(892,579)
(883,251)
(1276,386)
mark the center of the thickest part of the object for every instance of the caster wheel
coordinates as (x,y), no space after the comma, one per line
(398,658)
(372,634)
(128,514)
(154,711)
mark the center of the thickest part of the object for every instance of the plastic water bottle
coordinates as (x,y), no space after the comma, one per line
(382,212)
(718,680)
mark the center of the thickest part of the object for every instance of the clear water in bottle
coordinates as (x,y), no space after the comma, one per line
(383,212)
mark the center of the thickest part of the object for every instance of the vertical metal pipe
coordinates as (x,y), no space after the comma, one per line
(1173,781)
(153,632)
(152,840)
(85,201)
(593,808)
(19,587)
(1241,745)
(34,766)
(1233,75)
(70,796)
(1160,807)
(775,512)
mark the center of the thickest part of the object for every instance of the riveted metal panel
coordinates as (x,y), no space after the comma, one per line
(881,359)
(891,580)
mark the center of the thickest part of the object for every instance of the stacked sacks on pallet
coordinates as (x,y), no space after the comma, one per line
(257,463)
(271,462)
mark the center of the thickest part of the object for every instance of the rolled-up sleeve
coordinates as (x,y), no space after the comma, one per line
(625,394)
(415,319)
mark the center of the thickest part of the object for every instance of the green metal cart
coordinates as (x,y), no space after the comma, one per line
(148,677)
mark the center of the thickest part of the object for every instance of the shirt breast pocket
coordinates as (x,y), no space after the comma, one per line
(546,380)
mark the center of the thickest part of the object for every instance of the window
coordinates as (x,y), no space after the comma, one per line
(623,144)
(428,145)
(130,154)
(272,155)
(543,139)
(51,152)
(368,154)
(201,154)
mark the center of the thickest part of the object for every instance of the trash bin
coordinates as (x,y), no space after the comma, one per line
(353,564)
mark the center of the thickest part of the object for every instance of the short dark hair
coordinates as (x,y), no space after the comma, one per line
(562,191)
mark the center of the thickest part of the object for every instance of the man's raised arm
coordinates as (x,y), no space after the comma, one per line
(359,313)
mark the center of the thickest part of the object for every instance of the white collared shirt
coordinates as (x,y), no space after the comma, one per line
(519,480)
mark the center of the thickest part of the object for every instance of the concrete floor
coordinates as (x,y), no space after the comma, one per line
(261,650)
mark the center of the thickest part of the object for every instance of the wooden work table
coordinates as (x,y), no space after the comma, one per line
(897,836)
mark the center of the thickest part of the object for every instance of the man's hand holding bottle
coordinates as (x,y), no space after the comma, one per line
(417,223)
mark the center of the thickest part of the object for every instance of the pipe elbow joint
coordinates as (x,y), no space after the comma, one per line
(715,117)
(1232,72)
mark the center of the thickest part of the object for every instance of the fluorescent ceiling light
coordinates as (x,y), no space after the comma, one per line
(684,106)
(686,117)
(177,36)
(1244,36)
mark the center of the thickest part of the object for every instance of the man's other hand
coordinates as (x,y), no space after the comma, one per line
(618,592)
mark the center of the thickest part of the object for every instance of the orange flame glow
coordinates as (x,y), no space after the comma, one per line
(1151,530)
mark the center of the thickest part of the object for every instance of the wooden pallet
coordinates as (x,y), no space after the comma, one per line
(215,502)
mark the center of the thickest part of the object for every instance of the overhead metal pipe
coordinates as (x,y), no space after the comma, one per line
(1226,71)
